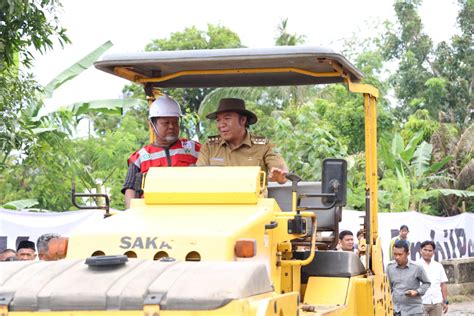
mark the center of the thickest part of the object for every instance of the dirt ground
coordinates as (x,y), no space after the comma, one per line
(461,309)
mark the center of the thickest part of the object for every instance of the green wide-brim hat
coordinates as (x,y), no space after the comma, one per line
(233,105)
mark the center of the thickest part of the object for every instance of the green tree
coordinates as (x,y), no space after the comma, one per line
(286,39)
(300,136)
(454,61)
(49,161)
(24,24)
(420,121)
(28,24)
(44,174)
(409,174)
(438,79)
(104,159)
(216,36)
(18,94)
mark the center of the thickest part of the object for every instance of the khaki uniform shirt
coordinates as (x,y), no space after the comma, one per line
(254,151)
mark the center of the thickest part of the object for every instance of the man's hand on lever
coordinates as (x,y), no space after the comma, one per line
(277,175)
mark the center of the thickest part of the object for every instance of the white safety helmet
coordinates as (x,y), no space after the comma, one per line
(164,106)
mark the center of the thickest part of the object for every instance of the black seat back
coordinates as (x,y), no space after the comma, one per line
(328,220)
(333,263)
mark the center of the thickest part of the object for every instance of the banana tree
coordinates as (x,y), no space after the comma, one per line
(408,172)
(456,194)
(51,138)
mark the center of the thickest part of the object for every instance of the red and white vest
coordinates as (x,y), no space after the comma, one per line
(183,153)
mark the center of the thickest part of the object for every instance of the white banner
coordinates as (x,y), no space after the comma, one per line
(16,226)
(453,236)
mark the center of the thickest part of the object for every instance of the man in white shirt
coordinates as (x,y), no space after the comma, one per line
(435,300)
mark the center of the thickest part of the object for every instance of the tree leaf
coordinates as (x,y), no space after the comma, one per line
(460,193)
(407,154)
(75,69)
(438,165)
(21,204)
(386,155)
(404,185)
(397,145)
(421,158)
(106,106)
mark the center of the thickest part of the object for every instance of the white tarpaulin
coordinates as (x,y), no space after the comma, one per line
(453,236)
(16,226)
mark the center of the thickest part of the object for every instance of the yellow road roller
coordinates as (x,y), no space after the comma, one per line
(218,240)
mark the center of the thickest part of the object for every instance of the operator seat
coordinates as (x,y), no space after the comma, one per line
(327,220)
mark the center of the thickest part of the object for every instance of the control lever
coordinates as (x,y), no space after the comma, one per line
(294,178)
(298,224)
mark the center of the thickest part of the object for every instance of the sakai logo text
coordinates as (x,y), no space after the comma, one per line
(127,242)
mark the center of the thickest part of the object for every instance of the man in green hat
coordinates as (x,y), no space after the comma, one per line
(235,146)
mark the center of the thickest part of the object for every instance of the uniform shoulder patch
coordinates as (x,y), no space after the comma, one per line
(216,139)
(259,140)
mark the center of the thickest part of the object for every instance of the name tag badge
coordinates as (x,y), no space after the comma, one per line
(187,144)
(217,161)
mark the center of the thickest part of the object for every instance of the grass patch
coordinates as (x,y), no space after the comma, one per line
(460,298)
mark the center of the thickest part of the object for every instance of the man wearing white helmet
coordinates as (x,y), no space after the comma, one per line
(168,150)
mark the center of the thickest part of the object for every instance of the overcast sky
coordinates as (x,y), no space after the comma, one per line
(130,25)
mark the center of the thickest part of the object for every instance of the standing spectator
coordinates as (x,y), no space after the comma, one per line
(402,235)
(6,254)
(346,241)
(360,235)
(435,300)
(408,281)
(26,251)
(42,245)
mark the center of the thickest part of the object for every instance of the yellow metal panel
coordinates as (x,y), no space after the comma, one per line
(210,230)
(383,296)
(285,304)
(354,296)
(184,185)
(326,291)
(370,106)
(362,88)
(296,278)
(377,258)
(286,279)
(360,298)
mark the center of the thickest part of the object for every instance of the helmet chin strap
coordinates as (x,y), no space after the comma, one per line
(153,126)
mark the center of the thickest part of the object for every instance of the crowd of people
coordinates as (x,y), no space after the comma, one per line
(27,250)
(418,287)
